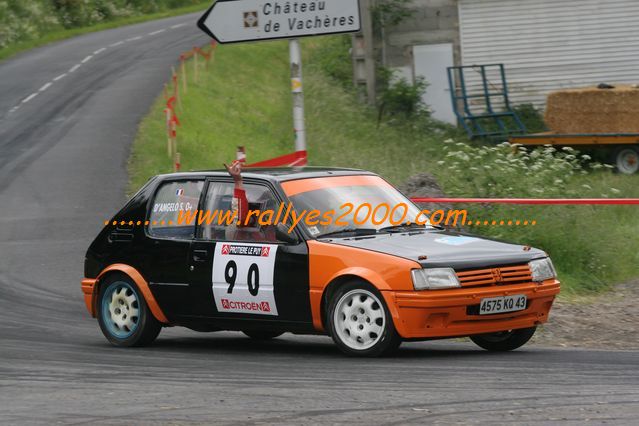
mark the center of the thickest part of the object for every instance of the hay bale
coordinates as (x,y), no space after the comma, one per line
(593,110)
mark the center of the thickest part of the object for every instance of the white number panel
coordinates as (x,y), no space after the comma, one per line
(243,278)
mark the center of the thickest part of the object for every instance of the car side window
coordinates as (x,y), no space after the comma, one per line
(220,220)
(173,204)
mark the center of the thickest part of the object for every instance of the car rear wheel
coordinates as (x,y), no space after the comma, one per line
(123,315)
(360,323)
(262,334)
(504,340)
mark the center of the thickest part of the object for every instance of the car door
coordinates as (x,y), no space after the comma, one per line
(165,256)
(246,274)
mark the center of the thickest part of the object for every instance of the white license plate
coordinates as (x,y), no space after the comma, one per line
(499,305)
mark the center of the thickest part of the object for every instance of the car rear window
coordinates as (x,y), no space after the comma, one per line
(171,199)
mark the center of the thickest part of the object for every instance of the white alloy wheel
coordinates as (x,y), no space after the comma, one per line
(124,310)
(123,315)
(359,319)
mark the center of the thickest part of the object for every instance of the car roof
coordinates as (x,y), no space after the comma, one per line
(274,174)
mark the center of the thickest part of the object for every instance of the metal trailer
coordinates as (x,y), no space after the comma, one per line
(487,113)
(625,146)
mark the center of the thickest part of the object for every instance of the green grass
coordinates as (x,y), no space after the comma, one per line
(63,34)
(244,99)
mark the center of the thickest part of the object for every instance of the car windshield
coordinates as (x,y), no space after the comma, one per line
(351,204)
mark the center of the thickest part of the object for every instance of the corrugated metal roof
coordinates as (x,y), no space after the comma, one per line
(551,44)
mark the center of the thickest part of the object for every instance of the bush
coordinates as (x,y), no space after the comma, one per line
(399,98)
(390,12)
(24,20)
(507,171)
(334,59)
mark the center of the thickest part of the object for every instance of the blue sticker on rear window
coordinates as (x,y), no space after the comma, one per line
(455,241)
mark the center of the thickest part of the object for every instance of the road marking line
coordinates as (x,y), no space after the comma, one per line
(134,38)
(75,67)
(116,44)
(45,87)
(60,77)
(97,52)
(158,31)
(87,59)
(177,25)
(28,98)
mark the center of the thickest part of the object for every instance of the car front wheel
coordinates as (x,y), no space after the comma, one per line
(359,321)
(123,315)
(504,340)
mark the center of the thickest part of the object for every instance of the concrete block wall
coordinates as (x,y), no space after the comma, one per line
(432,22)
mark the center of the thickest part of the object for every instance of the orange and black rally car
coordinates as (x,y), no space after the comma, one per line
(369,284)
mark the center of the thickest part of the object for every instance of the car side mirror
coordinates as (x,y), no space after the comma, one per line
(282,234)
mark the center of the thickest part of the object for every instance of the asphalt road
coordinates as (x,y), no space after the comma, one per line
(63,153)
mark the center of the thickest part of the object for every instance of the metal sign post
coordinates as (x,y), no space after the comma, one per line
(298,94)
(233,21)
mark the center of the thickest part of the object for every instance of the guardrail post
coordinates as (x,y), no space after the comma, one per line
(183,72)
(176,87)
(177,164)
(167,111)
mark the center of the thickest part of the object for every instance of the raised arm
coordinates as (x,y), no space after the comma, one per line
(240,202)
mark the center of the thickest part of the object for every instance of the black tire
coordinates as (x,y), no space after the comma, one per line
(505,340)
(262,334)
(384,343)
(626,159)
(145,327)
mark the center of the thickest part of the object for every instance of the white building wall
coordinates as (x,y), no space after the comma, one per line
(551,44)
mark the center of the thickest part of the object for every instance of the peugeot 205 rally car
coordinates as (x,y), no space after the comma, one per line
(367,286)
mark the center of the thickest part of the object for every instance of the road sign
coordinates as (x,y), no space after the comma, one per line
(232,21)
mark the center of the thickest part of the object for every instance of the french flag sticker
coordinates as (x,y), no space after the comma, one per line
(179,192)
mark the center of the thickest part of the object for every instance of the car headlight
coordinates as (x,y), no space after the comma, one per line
(434,278)
(542,269)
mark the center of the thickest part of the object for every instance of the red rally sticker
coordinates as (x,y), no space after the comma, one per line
(246,306)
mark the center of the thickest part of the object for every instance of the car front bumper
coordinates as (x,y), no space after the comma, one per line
(451,313)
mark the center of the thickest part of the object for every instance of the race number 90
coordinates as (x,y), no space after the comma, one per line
(252,280)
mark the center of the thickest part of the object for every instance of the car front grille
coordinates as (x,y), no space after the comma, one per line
(495,276)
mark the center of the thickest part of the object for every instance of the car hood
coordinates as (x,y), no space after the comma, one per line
(438,248)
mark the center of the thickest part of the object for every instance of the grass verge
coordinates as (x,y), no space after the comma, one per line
(63,34)
(245,100)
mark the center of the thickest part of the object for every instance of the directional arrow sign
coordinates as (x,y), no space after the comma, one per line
(232,21)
